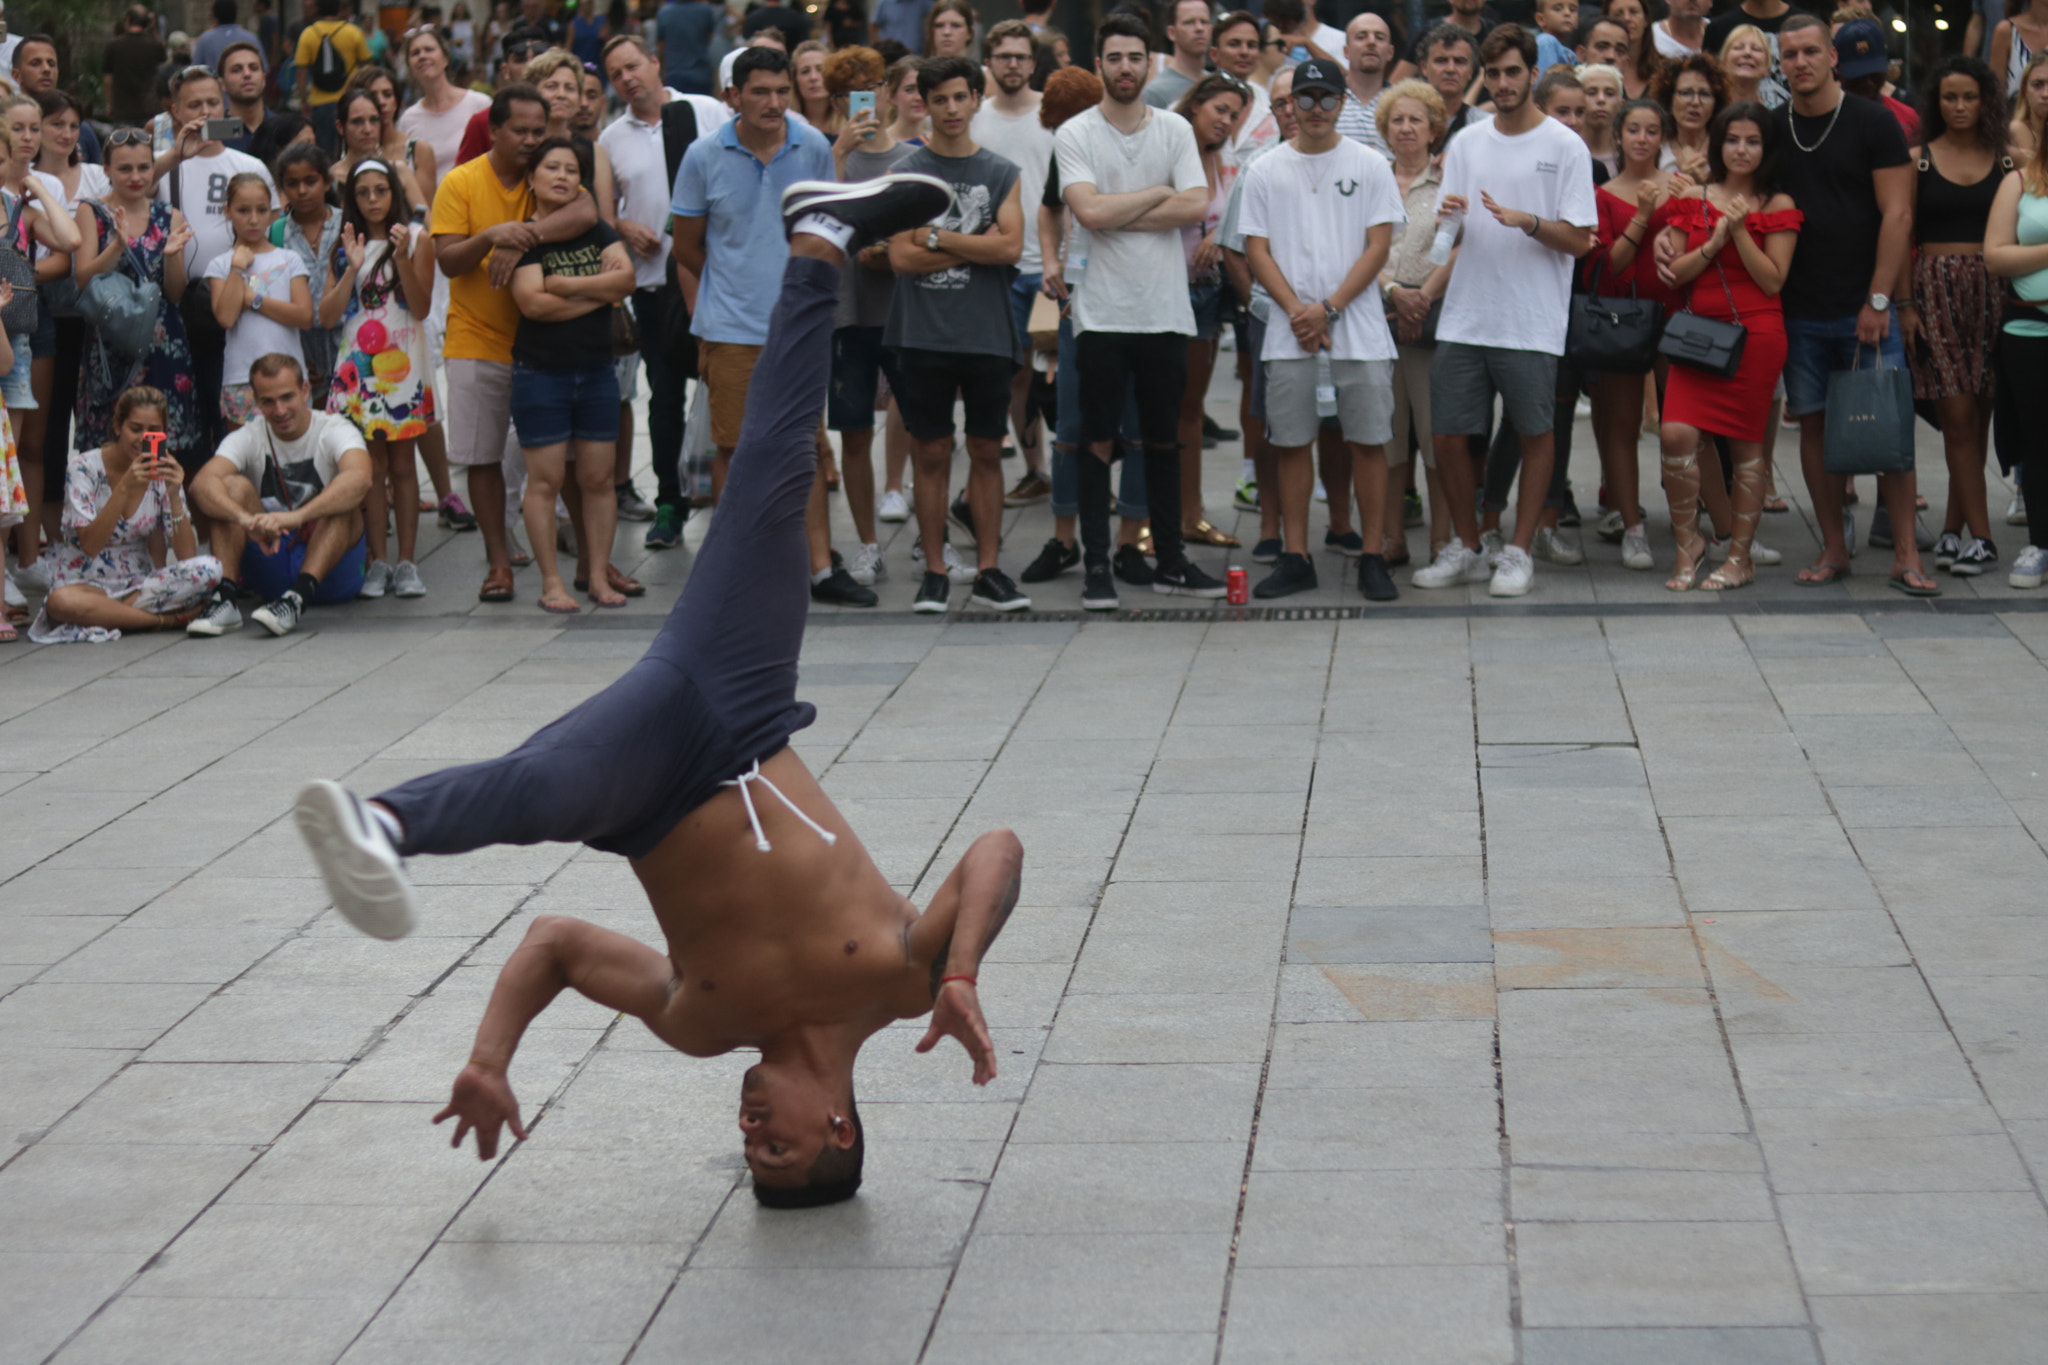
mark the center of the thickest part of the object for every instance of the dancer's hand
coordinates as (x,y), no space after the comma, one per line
(483,1100)
(957,1013)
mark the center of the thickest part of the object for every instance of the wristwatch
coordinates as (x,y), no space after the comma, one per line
(255,301)
(1880,302)
(931,239)
(1331,314)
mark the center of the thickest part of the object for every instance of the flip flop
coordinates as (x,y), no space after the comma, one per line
(1776,505)
(1903,582)
(1835,574)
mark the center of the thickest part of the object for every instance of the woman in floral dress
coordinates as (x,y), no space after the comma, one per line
(124,517)
(158,233)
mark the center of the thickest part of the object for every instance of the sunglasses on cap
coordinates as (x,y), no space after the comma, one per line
(1329,104)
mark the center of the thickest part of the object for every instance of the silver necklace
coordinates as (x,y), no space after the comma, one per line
(1840,100)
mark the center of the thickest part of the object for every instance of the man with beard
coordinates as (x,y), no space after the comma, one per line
(241,79)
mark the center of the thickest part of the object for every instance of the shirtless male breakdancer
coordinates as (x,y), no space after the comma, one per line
(782,933)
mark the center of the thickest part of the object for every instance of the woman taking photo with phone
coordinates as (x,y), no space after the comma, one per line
(124,515)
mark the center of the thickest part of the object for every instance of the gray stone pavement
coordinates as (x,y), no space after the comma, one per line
(1604,985)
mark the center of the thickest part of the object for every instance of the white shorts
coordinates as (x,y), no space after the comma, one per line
(479,408)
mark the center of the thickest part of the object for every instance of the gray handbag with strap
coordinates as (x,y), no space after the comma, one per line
(122,311)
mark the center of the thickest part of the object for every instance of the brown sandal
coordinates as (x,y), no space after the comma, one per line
(497,586)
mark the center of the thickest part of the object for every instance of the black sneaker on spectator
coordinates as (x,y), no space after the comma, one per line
(1185,580)
(667,531)
(1374,581)
(633,507)
(1976,557)
(363,872)
(961,515)
(1268,551)
(1132,567)
(932,594)
(1098,589)
(875,209)
(1292,574)
(993,588)
(220,617)
(1568,516)
(1351,544)
(839,589)
(280,617)
(1217,432)
(1946,547)
(1054,560)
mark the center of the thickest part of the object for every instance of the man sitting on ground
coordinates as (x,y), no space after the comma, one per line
(285,498)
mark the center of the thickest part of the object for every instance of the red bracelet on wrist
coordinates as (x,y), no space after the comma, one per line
(968,979)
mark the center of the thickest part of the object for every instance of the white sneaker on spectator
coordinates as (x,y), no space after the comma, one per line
(220,617)
(1513,572)
(1760,553)
(2016,510)
(11,593)
(1552,547)
(2029,567)
(1489,545)
(34,577)
(893,507)
(1454,565)
(362,870)
(866,566)
(405,580)
(956,572)
(1635,549)
(376,580)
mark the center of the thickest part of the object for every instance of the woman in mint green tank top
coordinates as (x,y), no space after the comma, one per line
(2016,250)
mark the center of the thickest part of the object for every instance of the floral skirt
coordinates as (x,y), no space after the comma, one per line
(1959,317)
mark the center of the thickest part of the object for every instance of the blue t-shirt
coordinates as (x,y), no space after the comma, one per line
(744,249)
(684,29)
(1549,52)
(903,20)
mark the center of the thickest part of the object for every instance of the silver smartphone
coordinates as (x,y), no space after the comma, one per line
(221,129)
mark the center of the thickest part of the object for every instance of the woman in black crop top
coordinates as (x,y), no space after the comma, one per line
(1951,323)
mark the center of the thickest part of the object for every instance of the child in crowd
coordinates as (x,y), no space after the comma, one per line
(311,227)
(260,296)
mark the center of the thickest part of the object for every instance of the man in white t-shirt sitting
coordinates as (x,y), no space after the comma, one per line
(1524,183)
(1308,207)
(285,495)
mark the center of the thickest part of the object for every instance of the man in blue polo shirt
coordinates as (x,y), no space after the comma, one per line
(726,222)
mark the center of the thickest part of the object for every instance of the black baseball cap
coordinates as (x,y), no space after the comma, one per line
(1318,74)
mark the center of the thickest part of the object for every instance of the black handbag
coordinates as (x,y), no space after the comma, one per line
(1710,345)
(1869,419)
(1613,335)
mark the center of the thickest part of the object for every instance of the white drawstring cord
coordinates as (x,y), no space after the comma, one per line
(754,774)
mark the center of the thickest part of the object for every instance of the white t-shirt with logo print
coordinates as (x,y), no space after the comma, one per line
(1508,290)
(203,198)
(1314,212)
(255,335)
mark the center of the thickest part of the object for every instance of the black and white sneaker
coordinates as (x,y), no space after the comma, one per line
(1946,547)
(1054,560)
(362,870)
(1185,580)
(932,594)
(220,617)
(1976,557)
(838,589)
(875,209)
(993,588)
(1132,567)
(280,617)
(1098,589)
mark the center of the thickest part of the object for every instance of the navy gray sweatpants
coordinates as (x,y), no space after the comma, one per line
(716,691)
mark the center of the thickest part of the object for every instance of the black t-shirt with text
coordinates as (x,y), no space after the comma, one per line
(581,343)
(1832,185)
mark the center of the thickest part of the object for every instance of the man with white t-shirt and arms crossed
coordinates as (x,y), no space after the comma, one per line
(1133,177)
(1368,52)
(1187,31)
(1524,184)
(1308,207)
(1007,124)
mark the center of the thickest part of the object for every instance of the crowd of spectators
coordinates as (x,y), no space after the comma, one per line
(458,243)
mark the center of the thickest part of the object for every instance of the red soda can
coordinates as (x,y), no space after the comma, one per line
(1236,588)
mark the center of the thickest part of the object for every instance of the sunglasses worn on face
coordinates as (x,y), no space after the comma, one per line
(1329,104)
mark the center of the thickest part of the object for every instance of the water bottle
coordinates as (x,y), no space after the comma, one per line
(1447,225)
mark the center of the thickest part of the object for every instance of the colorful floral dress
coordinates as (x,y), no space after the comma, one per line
(167,365)
(125,563)
(381,377)
(14,507)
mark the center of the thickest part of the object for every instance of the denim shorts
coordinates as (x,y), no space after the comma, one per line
(1024,293)
(1207,300)
(14,385)
(1816,348)
(553,406)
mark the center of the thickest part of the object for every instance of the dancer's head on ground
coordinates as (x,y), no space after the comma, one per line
(802,1135)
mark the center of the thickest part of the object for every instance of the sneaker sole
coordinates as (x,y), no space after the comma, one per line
(1001,603)
(209,631)
(368,890)
(410,595)
(929,608)
(273,627)
(1495,590)
(1961,570)
(2024,580)
(1176,590)
(1100,604)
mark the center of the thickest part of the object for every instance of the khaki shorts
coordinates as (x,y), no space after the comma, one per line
(728,368)
(479,411)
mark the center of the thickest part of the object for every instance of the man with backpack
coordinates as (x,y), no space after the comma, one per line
(329,50)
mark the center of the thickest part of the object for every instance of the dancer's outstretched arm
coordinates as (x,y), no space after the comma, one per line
(617,972)
(963,919)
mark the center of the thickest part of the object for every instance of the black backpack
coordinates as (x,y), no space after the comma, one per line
(330,72)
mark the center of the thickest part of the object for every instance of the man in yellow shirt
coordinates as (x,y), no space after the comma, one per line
(330,48)
(481,206)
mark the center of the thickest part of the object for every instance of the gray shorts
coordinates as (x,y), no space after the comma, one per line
(1464,378)
(478,410)
(1365,401)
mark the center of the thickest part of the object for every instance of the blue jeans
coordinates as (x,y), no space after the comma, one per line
(1066,483)
(1817,347)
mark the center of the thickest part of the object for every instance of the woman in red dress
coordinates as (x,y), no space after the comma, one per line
(1736,234)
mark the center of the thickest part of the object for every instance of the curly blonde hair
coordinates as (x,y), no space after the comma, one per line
(1423,93)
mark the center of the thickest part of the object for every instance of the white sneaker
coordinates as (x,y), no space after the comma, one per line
(1760,553)
(2016,510)
(956,572)
(1489,545)
(866,566)
(377,580)
(405,580)
(2029,567)
(1635,549)
(893,507)
(32,577)
(1513,572)
(12,593)
(1552,548)
(1322,493)
(362,870)
(1454,565)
